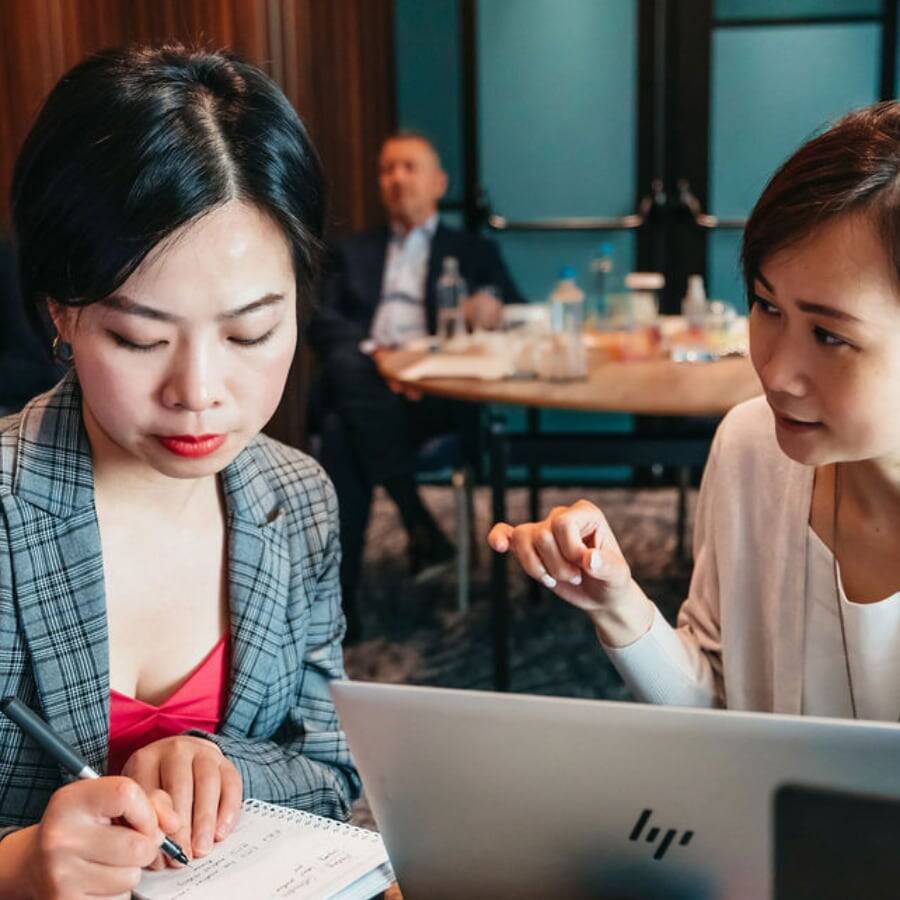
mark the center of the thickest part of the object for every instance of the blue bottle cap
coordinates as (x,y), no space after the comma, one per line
(567,272)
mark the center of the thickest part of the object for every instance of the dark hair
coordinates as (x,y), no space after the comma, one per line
(853,167)
(134,143)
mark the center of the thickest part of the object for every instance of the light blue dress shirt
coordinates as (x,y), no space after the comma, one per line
(400,316)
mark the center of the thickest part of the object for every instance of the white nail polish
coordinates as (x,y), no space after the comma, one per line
(548,580)
(575,579)
(596,561)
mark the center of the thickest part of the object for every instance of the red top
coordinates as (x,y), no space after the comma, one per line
(198,703)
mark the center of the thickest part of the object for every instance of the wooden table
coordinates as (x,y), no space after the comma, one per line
(654,387)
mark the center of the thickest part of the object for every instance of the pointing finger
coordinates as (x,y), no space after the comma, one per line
(500,536)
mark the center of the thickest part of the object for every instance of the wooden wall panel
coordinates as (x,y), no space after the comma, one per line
(31,66)
(87,27)
(333,59)
(359,37)
(240,25)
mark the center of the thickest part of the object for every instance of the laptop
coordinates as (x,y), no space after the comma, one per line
(511,796)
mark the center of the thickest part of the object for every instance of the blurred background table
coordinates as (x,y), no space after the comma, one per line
(690,393)
(653,387)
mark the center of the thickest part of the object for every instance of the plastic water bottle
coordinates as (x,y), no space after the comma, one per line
(694,307)
(451,291)
(569,360)
(601,283)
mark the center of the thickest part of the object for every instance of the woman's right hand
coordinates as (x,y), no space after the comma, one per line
(575,554)
(78,850)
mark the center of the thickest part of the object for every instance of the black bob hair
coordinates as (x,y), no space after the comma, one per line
(132,144)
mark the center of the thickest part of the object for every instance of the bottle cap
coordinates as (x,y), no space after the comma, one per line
(645,281)
(567,273)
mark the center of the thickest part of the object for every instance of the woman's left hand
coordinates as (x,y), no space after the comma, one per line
(205,787)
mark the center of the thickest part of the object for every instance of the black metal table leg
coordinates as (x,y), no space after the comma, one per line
(499,453)
(534,470)
(684,481)
(534,491)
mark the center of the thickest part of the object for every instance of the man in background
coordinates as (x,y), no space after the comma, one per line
(379,291)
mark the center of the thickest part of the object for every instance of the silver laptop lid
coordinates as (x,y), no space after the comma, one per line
(500,795)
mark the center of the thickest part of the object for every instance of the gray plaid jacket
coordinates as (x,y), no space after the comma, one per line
(280,728)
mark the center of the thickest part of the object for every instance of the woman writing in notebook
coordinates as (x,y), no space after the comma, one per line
(794,603)
(169,596)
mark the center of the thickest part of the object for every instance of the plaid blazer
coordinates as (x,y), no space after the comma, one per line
(280,728)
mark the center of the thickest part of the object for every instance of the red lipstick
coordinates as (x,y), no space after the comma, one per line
(193,446)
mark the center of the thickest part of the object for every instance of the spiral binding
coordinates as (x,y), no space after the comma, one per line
(300,817)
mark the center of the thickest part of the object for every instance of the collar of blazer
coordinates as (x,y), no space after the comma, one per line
(52,467)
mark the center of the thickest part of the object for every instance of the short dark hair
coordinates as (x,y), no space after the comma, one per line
(413,134)
(853,167)
(132,144)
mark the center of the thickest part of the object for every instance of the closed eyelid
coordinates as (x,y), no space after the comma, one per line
(254,341)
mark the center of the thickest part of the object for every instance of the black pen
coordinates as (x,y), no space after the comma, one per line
(39,731)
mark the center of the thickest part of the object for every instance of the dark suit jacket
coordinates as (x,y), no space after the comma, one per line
(26,368)
(351,288)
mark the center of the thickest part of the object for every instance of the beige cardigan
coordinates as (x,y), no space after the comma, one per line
(739,640)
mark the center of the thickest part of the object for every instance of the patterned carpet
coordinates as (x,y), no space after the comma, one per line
(415,634)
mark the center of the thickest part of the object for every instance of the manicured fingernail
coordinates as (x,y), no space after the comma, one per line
(548,580)
(575,579)
(204,845)
(596,561)
(160,837)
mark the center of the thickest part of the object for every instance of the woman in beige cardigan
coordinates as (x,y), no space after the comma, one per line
(794,604)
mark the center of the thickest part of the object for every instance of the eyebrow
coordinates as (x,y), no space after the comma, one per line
(807,306)
(124,304)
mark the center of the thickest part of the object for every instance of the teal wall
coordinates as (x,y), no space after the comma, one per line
(802,78)
(546,150)
(557,92)
(760,9)
(427,40)
(557,123)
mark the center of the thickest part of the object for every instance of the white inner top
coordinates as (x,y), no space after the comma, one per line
(656,665)
(873,646)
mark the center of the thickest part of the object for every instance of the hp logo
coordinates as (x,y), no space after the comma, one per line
(653,834)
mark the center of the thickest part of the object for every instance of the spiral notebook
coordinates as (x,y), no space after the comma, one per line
(275,852)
